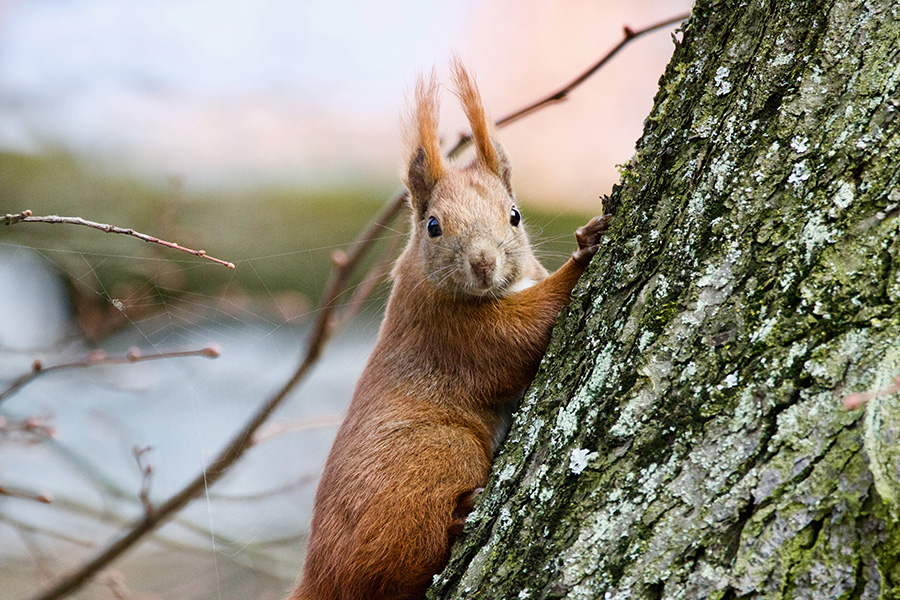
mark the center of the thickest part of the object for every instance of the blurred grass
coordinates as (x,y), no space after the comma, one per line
(280,239)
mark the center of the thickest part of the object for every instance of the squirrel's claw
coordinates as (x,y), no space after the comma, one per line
(588,237)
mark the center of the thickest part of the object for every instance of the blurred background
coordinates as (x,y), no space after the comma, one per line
(265,133)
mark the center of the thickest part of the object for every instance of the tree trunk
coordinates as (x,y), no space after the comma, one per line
(686,436)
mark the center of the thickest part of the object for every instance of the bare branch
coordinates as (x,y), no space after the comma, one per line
(22,526)
(272,431)
(33,427)
(300,482)
(146,475)
(561,94)
(26,217)
(12,219)
(100,358)
(17,493)
(115,581)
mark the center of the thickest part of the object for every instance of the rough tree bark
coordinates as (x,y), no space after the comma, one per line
(685,437)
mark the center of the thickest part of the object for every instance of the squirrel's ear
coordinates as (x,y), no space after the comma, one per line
(504,170)
(426,164)
(487,149)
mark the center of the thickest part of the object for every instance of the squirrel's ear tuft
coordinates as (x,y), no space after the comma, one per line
(426,163)
(487,149)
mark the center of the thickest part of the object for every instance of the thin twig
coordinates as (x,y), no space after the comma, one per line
(25,495)
(100,358)
(27,535)
(115,581)
(146,475)
(274,430)
(300,482)
(33,426)
(321,332)
(561,94)
(26,217)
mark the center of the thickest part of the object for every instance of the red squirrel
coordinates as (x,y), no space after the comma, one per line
(468,320)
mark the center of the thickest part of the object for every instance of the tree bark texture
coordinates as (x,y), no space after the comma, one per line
(686,437)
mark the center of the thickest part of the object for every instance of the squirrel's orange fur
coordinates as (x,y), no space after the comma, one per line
(467,323)
(425,126)
(482,128)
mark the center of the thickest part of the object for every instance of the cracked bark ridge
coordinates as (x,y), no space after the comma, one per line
(685,437)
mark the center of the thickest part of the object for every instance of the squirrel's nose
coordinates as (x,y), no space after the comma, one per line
(483,265)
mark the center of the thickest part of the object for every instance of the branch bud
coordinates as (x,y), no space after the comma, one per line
(339,258)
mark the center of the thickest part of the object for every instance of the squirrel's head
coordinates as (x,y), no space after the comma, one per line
(467,230)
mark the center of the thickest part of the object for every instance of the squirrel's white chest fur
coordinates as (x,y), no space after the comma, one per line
(522,284)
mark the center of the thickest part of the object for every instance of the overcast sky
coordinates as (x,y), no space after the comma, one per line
(261,90)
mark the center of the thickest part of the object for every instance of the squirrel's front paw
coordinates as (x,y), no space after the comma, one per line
(588,237)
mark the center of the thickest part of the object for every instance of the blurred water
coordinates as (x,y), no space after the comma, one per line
(185,410)
(33,311)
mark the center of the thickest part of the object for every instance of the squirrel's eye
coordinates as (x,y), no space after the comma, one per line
(514,217)
(434,228)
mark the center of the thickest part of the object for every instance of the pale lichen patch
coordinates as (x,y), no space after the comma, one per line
(595,543)
(765,329)
(645,340)
(844,195)
(662,286)
(506,474)
(799,174)
(800,144)
(797,350)
(815,233)
(723,86)
(747,412)
(696,204)
(730,381)
(721,168)
(568,418)
(579,459)
(785,58)
(688,372)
